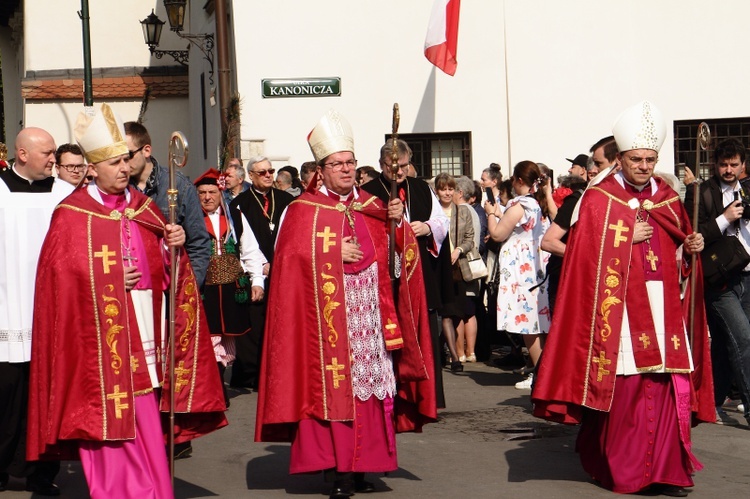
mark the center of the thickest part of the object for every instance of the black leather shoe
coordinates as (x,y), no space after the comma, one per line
(343,487)
(340,493)
(42,487)
(457,367)
(364,487)
(673,491)
(183,450)
(4,479)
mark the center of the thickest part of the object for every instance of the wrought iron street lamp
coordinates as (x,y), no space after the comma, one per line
(152,27)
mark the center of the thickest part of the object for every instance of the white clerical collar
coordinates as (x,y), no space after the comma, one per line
(341,197)
(17,173)
(96,193)
(621,180)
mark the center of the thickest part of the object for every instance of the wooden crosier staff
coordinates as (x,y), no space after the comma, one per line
(178,154)
(704,137)
(394,191)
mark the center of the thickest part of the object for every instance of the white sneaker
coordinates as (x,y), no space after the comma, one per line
(741,408)
(525,384)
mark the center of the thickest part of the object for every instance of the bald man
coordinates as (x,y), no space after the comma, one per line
(35,158)
(24,220)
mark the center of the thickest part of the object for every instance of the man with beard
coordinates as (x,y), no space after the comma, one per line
(721,214)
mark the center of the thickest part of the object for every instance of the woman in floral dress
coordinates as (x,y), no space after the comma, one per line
(522,306)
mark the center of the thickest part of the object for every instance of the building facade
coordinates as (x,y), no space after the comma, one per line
(536,79)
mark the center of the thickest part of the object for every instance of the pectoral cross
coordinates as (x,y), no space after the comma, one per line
(327,236)
(644,339)
(335,367)
(652,259)
(117,396)
(104,254)
(619,230)
(602,362)
(179,371)
(675,342)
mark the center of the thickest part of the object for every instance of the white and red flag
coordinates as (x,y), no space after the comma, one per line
(442,35)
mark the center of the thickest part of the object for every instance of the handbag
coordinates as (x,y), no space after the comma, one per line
(472,266)
(723,258)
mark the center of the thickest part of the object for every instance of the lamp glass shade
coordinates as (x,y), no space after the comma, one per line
(175,13)
(152,26)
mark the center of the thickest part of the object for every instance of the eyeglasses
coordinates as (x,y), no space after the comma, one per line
(636,160)
(263,173)
(73,168)
(339,165)
(400,167)
(131,154)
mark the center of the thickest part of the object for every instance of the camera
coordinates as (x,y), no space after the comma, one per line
(744,198)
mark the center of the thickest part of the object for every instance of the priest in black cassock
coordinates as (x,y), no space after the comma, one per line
(28,195)
(430,224)
(258,209)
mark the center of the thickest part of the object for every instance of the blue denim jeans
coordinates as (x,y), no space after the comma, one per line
(729,315)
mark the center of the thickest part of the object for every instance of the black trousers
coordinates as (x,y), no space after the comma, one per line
(246,367)
(14,398)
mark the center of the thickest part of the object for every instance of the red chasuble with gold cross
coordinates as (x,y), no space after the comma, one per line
(602,271)
(87,360)
(305,369)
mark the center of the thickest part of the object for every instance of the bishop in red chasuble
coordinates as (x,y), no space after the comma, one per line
(98,370)
(619,359)
(346,363)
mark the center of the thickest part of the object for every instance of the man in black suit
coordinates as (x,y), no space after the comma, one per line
(430,224)
(258,209)
(721,214)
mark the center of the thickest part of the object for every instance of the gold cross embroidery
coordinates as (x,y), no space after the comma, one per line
(602,362)
(675,342)
(133,363)
(644,339)
(652,258)
(104,254)
(117,396)
(390,327)
(327,236)
(179,371)
(619,230)
(335,367)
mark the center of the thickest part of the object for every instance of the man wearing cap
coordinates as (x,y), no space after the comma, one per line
(619,359)
(328,381)
(579,166)
(98,354)
(234,277)
(28,195)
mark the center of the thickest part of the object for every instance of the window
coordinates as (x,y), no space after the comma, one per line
(435,153)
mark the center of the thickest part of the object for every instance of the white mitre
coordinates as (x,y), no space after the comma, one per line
(332,134)
(101,136)
(640,127)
